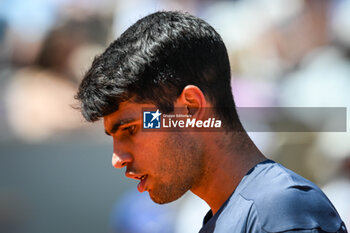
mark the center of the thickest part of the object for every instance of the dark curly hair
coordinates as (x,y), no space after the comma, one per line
(153,60)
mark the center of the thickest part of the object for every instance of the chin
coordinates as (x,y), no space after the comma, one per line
(164,197)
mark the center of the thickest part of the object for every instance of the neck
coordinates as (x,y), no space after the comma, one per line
(225,166)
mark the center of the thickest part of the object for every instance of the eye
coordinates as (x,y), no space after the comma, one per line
(131,129)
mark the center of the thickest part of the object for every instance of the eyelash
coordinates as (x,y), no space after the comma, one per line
(131,129)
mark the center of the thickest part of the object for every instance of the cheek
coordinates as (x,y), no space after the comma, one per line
(146,149)
(180,154)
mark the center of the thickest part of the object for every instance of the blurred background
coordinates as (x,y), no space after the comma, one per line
(55,169)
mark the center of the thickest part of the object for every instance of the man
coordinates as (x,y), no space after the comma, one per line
(178,64)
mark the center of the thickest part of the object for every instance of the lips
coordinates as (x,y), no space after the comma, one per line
(141,187)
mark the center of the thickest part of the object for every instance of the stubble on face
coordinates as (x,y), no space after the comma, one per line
(181,167)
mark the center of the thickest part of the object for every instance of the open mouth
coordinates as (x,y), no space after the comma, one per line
(141,187)
(141,177)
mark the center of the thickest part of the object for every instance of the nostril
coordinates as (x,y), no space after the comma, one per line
(121,160)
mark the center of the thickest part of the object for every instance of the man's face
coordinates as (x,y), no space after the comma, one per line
(168,164)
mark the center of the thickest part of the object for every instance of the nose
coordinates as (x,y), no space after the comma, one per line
(120,160)
(121,156)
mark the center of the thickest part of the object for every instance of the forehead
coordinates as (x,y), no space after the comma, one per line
(127,111)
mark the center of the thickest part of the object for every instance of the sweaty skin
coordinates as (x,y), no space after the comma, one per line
(171,161)
(168,164)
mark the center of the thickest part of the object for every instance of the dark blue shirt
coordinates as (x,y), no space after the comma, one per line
(272,198)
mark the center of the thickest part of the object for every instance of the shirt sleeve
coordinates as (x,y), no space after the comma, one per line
(254,226)
(342,229)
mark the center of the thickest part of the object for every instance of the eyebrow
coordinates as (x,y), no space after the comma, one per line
(119,123)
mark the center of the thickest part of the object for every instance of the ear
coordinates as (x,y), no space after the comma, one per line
(193,99)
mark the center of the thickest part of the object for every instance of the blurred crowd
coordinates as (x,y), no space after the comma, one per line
(283,54)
